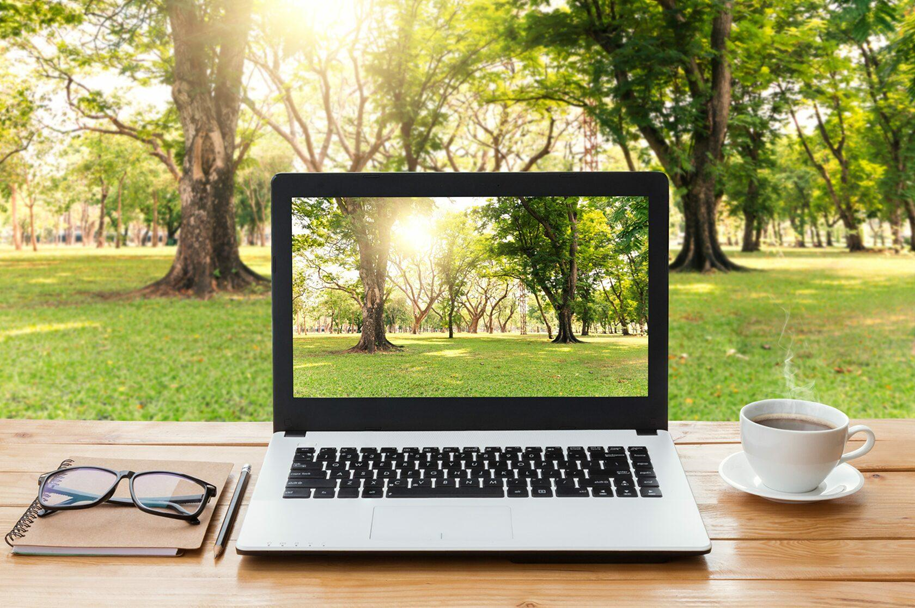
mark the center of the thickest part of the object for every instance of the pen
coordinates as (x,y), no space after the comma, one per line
(227,521)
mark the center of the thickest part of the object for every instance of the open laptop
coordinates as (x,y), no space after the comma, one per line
(401,429)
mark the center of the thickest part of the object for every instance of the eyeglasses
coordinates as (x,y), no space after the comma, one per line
(160,493)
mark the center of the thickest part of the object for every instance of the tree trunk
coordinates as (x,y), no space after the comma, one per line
(14,218)
(749,229)
(910,211)
(549,329)
(207,259)
(155,219)
(564,333)
(100,241)
(120,228)
(701,251)
(32,238)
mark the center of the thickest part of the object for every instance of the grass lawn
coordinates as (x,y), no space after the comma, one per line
(69,350)
(482,365)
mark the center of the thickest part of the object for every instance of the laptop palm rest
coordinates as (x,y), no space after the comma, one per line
(441,523)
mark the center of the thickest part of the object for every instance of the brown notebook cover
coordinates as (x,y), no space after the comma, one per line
(117,530)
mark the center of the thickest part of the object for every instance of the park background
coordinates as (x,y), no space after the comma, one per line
(137,141)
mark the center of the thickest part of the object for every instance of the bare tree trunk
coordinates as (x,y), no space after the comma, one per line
(155,219)
(207,258)
(17,229)
(549,329)
(749,229)
(910,211)
(100,241)
(32,226)
(120,228)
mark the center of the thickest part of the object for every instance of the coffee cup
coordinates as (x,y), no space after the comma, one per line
(794,445)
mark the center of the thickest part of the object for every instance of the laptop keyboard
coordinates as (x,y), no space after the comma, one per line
(493,472)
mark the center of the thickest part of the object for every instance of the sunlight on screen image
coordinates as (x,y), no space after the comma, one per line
(470,297)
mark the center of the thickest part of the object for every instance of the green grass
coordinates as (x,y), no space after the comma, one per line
(476,365)
(70,350)
(851,330)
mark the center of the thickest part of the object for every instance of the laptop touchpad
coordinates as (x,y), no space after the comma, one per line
(442,523)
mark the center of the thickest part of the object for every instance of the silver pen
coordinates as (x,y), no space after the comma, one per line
(227,521)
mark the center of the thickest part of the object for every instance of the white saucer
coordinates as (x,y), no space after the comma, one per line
(844,480)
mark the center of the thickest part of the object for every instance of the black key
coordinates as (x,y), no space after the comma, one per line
(368,450)
(324,493)
(601,492)
(599,482)
(535,449)
(362,474)
(373,493)
(595,449)
(316,483)
(492,483)
(297,493)
(446,492)
(388,451)
(311,474)
(651,493)
(446,483)
(624,482)
(398,483)
(512,449)
(373,483)
(517,483)
(620,473)
(626,492)
(616,450)
(518,493)
(349,483)
(300,474)
(307,466)
(327,454)
(565,484)
(541,492)
(336,465)
(641,473)
(492,450)
(303,457)
(540,483)
(471,450)
(348,493)
(348,451)
(572,493)
(450,450)
(552,474)
(410,450)
(648,482)
(304,450)
(295,483)
(387,474)
(341,475)
(641,463)
(431,451)
(638,448)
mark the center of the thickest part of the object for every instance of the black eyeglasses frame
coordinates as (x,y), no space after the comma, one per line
(191,518)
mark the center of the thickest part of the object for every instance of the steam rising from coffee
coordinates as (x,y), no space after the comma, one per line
(803,392)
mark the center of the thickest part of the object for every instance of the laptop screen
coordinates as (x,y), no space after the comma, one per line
(503,296)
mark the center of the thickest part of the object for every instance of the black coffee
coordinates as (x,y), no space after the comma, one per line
(793,422)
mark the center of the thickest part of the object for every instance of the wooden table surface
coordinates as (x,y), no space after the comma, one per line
(851,551)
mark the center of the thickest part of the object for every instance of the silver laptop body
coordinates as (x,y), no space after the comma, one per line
(553,478)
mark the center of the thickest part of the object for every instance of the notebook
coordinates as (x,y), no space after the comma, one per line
(116,530)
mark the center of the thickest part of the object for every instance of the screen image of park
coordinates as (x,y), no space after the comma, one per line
(503,296)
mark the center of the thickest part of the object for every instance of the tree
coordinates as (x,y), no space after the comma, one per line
(199,51)
(427,49)
(541,236)
(666,66)
(461,252)
(417,277)
(355,228)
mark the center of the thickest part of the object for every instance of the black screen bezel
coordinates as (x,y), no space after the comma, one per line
(292,414)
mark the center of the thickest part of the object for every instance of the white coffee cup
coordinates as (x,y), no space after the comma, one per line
(797,461)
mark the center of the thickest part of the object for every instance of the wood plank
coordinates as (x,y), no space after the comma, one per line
(350,589)
(883,509)
(729,560)
(134,432)
(886,456)
(258,433)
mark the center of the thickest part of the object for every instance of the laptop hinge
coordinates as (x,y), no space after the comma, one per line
(646,431)
(294,434)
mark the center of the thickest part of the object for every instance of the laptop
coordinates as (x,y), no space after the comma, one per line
(463,363)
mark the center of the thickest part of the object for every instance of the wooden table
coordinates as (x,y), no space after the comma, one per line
(851,551)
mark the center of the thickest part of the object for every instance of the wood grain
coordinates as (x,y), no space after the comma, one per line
(856,550)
